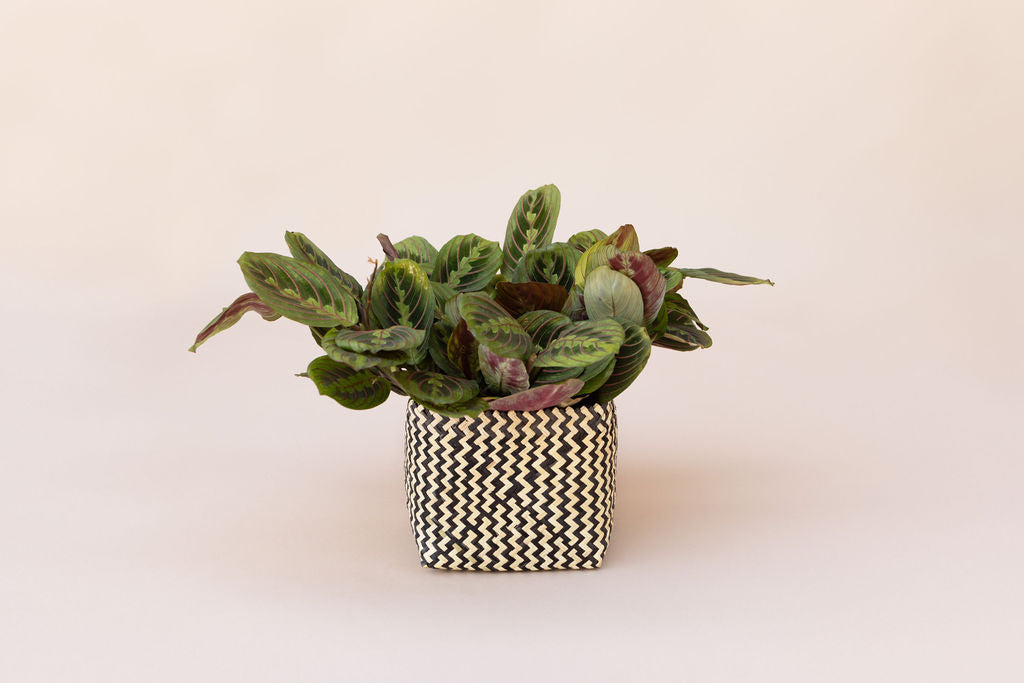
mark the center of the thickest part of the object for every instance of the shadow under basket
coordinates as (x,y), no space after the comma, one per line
(511,490)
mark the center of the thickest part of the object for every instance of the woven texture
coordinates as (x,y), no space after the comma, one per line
(511,491)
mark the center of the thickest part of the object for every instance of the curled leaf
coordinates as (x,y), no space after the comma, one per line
(537,398)
(389,249)
(521,297)
(231,315)
(673,279)
(361,360)
(720,276)
(354,389)
(610,294)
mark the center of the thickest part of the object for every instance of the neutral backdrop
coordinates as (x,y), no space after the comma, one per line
(833,492)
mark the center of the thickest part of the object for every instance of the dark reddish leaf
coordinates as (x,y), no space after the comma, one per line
(521,297)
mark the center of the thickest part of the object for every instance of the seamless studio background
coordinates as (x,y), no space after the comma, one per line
(830,493)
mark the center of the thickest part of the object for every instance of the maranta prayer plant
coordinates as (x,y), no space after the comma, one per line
(477,326)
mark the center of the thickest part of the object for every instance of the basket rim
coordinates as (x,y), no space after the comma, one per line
(571,411)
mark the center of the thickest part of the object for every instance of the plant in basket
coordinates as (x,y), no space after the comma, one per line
(510,355)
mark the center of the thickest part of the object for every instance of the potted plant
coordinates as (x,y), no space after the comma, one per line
(510,356)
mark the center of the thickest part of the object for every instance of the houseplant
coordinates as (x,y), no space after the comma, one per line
(510,356)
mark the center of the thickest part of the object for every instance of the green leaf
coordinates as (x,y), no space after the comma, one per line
(502,375)
(582,344)
(624,239)
(467,262)
(610,294)
(443,293)
(435,388)
(231,315)
(471,408)
(520,297)
(358,390)
(673,279)
(681,310)
(402,296)
(417,249)
(531,225)
(715,275)
(681,334)
(629,362)
(645,274)
(538,398)
(585,239)
(594,376)
(543,326)
(300,291)
(663,256)
(492,325)
(554,264)
(595,257)
(462,351)
(554,375)
(437,347)
(395,338)
(303,249)
(361,360)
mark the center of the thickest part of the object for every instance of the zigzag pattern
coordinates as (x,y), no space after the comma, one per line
(511,491)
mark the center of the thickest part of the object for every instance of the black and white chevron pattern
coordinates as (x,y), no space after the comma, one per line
(511,491)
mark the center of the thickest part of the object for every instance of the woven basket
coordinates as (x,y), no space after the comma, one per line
(511,491)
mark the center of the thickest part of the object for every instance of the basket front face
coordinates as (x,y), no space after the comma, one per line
(511,491)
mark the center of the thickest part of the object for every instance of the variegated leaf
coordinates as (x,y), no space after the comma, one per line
(555,264)
(582,344)
(673,279)
(610,294)
(435,388)
(641,270)
(417,249)
(629,362)
(354,389)
(594,376)
(531,225)
(231,315)
(585,239)
(302,248)
(471,408)
(361,360)
(538,398)
(594,257)
(541,376)
(492,325)
(401,295)
(466,263)
(682,310)
(502,375)
(543,326)
(395,338)
(300,291)
(437,347)
(715,275)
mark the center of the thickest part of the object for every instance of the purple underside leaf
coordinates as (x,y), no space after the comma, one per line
(538,398)
(232,314)
(522,297)
(642,269)
(503,375)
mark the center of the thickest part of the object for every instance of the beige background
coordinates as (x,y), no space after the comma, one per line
(831,493)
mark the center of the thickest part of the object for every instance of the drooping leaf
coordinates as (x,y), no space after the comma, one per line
(682,310)
(231,315)
(467,262)
(594,376)
(582,344)
(610,294)
(681,333)
(462,351)
(663,256)
(673,279)
(555,264)
(395,338)
(300,291)
(715,275)
(502,375)
(492,325)
(354,389)
(361,360)
(435,388)
(520,297)
(302,248)
(401,295)
(537,398)
(531,225)
(471,408)
(641,270)
(543,326)
(629,362)
(417,249)
(585,239)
